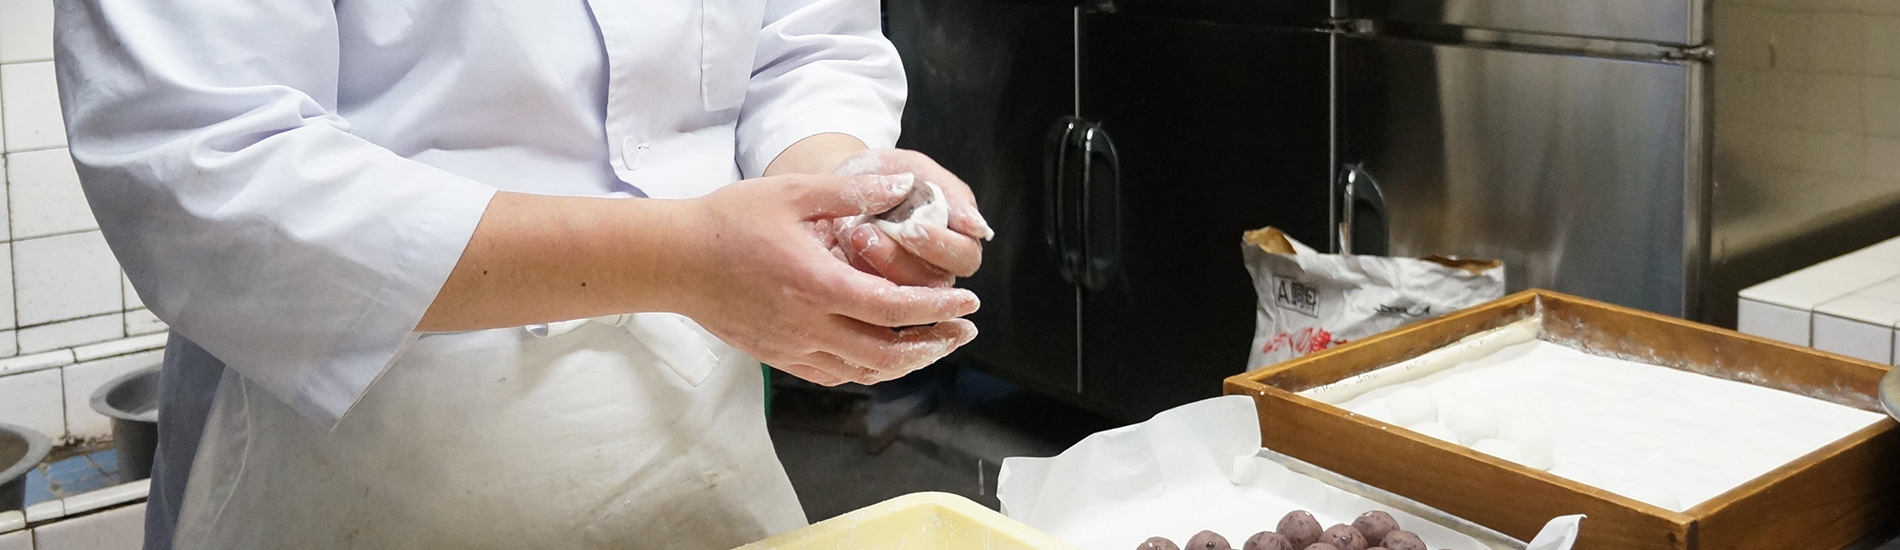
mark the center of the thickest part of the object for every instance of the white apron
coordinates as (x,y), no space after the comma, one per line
(583,438)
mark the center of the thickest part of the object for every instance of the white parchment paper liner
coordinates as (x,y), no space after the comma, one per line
(1191,468)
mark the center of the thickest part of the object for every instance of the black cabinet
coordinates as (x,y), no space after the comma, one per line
(1217,129)
(1119,155)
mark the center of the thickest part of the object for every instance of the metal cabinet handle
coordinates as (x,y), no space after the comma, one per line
(1059,152)
(1362,234)
(1101,214)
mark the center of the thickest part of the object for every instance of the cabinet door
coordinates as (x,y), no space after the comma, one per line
(1216,129)
(1577,171)
(988,79)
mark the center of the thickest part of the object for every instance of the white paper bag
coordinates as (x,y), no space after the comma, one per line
(1310,301)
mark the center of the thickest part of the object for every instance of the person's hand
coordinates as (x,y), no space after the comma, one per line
(924,256)
(760,280)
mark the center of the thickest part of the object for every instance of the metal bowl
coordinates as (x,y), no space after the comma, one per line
(21,450)
(131,401)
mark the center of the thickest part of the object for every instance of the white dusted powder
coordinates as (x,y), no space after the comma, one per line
(1668,437)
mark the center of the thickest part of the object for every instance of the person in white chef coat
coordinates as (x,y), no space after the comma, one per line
(495,274)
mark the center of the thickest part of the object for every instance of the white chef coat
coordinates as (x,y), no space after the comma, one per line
(288,184)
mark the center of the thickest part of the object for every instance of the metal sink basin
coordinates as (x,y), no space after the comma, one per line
(21,450)
(131,401)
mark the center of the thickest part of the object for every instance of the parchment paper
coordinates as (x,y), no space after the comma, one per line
(1191,468)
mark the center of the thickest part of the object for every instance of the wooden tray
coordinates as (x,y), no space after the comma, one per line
(1826,499)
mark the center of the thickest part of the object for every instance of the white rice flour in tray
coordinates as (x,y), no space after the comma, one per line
(1655,434)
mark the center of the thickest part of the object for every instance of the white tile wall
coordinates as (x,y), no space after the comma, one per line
(6,282)
(17,540)
(77,332)
(26,30)
(85,378)
(34,400)
(38,361)
(1849,305)
(116,529)
(1774,322)
(142,321)
(30,95)
(63,302)
(1854,338)
(65,277)
(6,225)
(44,190)
(132,299)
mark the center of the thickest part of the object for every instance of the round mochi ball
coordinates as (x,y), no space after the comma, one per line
(1501,449)
(1471,421)
(1344,536)
(1435,430)
(1402,540)
(1267,540)
(1531,437)
(1410,405)
(1375,524)
(1208,540)
(1299,528)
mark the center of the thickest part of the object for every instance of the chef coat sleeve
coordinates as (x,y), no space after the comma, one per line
(821,66)
(243,210)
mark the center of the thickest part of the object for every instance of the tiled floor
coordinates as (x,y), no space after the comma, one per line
(73,475)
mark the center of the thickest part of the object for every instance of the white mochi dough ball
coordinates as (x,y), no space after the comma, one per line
(1532,437)
(1499,448)
(1410,405)
(1472,422)
(1435,430)
(924,206)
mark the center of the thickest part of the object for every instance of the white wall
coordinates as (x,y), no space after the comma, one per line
(65,310)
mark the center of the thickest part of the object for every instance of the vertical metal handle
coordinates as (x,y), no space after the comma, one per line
(1101,214)
(1059,153)
(1363,227)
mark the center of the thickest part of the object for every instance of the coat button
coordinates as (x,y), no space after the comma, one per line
(632,151)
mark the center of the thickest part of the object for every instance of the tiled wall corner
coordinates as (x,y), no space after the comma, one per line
(85,378)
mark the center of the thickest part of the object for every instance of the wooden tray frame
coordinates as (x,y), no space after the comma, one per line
(1826,499)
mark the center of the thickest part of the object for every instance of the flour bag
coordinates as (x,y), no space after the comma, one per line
(1310,301)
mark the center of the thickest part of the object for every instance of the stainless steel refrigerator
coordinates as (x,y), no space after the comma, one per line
(1120,147)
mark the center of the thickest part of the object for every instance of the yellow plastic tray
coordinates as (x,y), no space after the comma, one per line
(917,521)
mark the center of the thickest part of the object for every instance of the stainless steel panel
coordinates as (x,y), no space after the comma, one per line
(1807,139)
(1676,22)
(1577,171)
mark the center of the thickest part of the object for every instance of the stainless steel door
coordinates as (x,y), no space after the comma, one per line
(1579,172)
(987,79)
(1673,22)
